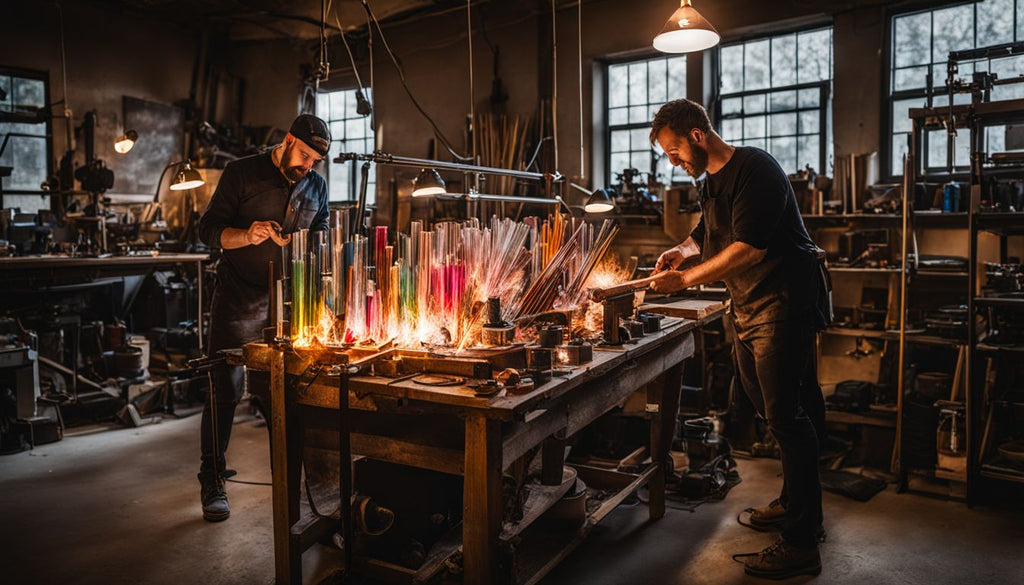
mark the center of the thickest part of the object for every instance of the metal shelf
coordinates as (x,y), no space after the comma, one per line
(999,348)
(1002,473)
(939,273)
(999,222)
(999,302)
(841,269)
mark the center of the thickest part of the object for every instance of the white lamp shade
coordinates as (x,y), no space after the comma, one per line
(686,31)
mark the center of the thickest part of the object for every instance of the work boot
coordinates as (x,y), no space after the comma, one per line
(214,498)
(782,560)
(769,517)
(772,518)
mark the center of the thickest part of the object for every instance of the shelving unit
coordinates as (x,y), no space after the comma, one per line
(982,360)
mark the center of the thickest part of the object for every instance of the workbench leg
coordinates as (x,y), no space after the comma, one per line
(481,504)
(287,558)
(552,461)
(663,427)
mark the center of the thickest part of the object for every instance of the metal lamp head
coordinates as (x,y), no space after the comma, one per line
(427,183)
(599,202)
(686,31)
(125,143)
(188,178)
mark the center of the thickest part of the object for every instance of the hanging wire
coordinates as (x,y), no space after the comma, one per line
(554,80)
(401,76)
(579,40)
(472,100)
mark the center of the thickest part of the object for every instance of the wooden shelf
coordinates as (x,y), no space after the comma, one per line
(999,302)
(855,332)
(1003,473)
(842,269)
(1005,223)
(856,418)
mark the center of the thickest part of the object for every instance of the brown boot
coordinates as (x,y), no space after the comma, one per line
(782,560)
(769,517)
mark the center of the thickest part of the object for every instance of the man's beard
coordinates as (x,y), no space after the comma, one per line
(293,173)
(699,163)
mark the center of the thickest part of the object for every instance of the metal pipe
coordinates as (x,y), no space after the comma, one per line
(404,161)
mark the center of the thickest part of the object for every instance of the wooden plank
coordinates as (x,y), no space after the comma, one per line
(286,570)
(539,499)
(481,503)
(685,308)
(442,550)
(665,398)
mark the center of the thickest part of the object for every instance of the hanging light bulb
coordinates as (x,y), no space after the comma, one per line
(188,178)
(686,31)
(125,143)
(428,183)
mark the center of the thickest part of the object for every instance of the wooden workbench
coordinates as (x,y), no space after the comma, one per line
(451,430)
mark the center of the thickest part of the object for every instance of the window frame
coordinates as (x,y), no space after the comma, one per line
(824,107)
(354,167)
(890,97)
(606,65)
(47,136)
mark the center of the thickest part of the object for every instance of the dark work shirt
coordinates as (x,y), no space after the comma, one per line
(751,200)
(253,189)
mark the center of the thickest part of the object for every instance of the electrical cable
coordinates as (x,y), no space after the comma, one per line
(472,99)
(348,49)
(554,80)
(401,76)
(579,40)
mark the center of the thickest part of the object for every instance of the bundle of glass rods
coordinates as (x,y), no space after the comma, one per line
(430,286)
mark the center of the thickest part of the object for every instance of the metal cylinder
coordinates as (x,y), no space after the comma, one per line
(551,336)
(493,311)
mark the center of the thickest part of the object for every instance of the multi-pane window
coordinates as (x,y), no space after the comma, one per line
(635,91)
(921,43)
(350,132)
(23,97)
(775,94)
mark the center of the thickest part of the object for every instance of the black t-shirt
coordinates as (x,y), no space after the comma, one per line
(751,200)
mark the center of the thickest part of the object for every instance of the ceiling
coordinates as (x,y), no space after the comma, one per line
(247,20)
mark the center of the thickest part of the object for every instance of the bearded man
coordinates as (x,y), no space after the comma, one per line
(259,201)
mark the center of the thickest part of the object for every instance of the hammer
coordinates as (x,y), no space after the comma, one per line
(600,294)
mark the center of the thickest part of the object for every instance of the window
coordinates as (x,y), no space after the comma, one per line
(775,94)
(23,97)
(921,43)
(350,132)
(635,91)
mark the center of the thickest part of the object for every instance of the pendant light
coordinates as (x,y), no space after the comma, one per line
(188,178)
(428,182)
(686,31)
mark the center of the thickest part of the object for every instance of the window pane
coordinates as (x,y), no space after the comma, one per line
(641,160)
(912,39)
(28,94)
(337,129)
(732,106)
(815,54)
(783,60)
(639,139)
(810,97)
(732,68)
(676,78)
(618,85)
(911,78)
(620,141)
(1020,21)
(754,127)
(754,104)
(899,148)
(355,129)
(809,148)
(755,65)
(638,114)
(784,151)
(5,90)
(619,161)
(783,124)
(952,30)
(995,22)
(337,106)
(809,122)
(783,100)
(28,157)
(638,84)
(323,105)
(900,109)
(937,149)
(732,129)
(618,116)
(756,143)
(659,81)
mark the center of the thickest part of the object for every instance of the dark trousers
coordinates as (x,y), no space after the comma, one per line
(235,319)
(775,365)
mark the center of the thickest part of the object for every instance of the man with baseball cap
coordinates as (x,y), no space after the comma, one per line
(259,201)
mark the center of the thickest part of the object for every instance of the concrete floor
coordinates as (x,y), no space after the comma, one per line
(122,506)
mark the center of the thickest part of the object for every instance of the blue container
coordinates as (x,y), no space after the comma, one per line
(951,197)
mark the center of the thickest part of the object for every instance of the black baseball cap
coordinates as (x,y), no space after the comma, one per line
(313,131)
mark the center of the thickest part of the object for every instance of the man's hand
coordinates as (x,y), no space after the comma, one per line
(260,231)
(670,281)
(669,260)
